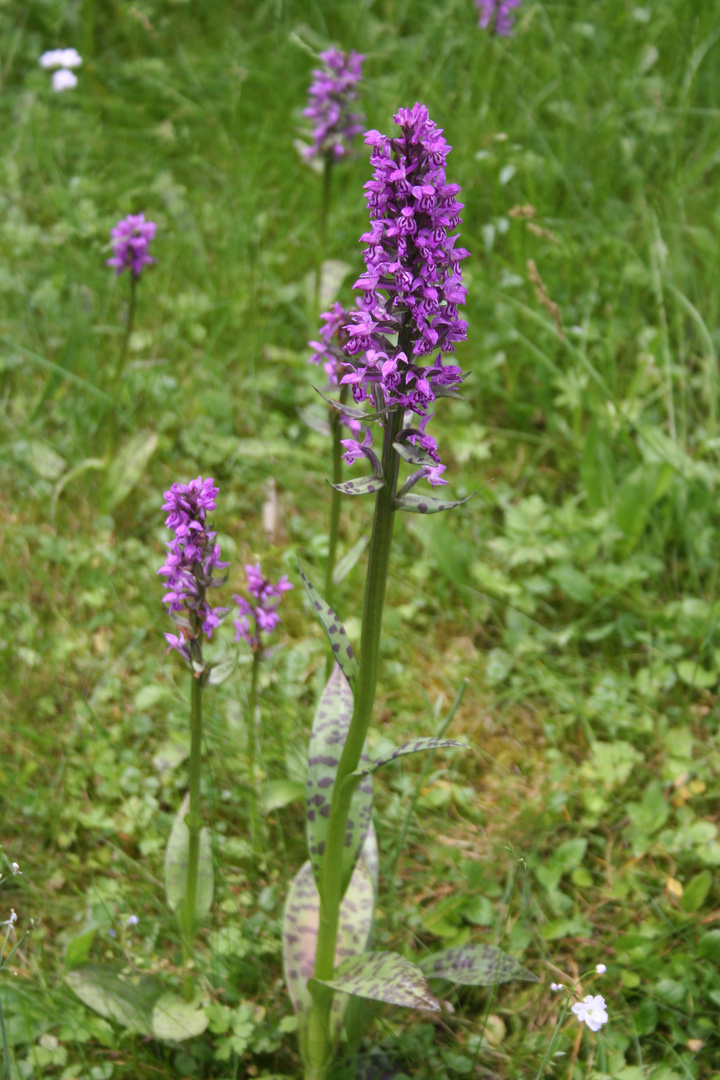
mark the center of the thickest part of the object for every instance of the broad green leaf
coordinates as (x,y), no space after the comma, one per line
(384,976)
(415,455)
(596,466)
(176,857)
(475,965)
(300,928)
(117,993)
(349,560)
(694,674)
(337,636)
(361,485)
(637,495)
(78,948)
(175,1019)
(696,891)
(424,504)
(128,467)
(329,731)
(278,793)
(413,746)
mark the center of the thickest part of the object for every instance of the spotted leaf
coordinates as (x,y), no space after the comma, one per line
(415,455)
(329,731)
(349,411)
(300,930)
(361,485)
(475,965)
(384,976)
(337,635)
(423,504)
(413,746)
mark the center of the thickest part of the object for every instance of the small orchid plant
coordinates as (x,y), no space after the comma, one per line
(393,346)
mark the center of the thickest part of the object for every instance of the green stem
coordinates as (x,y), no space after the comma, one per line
(332,884)
(120,367)
(5,1042)
(324,214)
(336,433)
(252,742)
(193,821)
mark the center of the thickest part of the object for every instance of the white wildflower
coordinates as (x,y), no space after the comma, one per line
(16,868)
(132,920)
(556,986)
(591,1011)
(12,920)
(601,969)
(63,80)
(60,58)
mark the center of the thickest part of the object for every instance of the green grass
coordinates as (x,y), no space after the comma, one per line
(577,594)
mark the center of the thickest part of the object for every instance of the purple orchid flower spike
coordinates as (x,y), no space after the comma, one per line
(192,561)
(331,93)
(412,284)
(261,617)
(496,15)
(131,240)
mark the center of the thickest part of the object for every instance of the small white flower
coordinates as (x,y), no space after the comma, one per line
(132,920)
(60,58)
(591,1011)
(556,986)
(12,920)
(601,969)
(70,58)
(16,868)
(63,80)
(51,59)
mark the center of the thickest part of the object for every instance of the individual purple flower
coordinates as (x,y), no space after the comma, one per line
(331,93)
(412,284)
(130,240)
(261,617)
(497,13)
(192,559)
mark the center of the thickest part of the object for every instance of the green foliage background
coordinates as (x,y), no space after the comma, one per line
(577,594)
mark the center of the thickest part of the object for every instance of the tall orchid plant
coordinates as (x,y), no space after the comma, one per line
(406,322)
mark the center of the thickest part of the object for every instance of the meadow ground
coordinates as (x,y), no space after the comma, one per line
(576,595)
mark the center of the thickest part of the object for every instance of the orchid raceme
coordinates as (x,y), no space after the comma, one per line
(412,285)
(261,618)
(192,561)
(495,15)
(331,94)
(131,242)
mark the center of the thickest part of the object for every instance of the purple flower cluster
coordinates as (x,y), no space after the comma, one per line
(412,285)
(130,240)
(328,351)
(497,12)
(331,92)
(193,557)
(261,617)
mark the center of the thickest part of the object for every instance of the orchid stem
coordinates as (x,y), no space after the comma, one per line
(193,821)
(120,368)
(252,745)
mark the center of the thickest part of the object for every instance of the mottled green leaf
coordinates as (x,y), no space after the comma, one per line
(339,643)
(329,731)
(475,965)
(300,928)
(384,976)
(361,485)
(117,993)
(415,455)
(175,1019)
(413,746)
(424,504)
(176,857)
